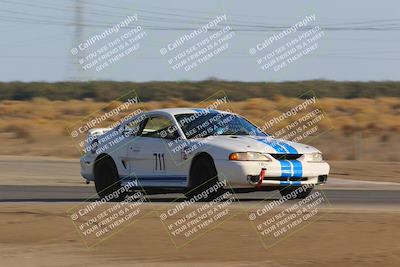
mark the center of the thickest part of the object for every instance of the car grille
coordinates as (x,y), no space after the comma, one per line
(286,156)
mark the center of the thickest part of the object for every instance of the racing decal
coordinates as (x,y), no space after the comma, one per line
(160,161)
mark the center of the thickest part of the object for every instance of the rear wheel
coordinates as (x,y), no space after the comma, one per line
(203,177)
(107,180)
(300,193)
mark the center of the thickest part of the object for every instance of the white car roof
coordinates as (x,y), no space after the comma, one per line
(176,111)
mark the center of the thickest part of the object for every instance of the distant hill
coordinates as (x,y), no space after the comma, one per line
(194,91)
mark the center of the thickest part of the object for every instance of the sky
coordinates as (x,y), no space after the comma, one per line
(354,40)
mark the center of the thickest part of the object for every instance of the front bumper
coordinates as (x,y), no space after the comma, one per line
(246,173)
(283,181)
(87,164)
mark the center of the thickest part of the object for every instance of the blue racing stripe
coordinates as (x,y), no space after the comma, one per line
(162,178)
(292,168)
(198,110)
(289,148)
(279,146)
(297,168)
(159,178)
(272,144)
(286,168)
(203,110)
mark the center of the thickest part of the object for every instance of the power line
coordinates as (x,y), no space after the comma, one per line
(238,27)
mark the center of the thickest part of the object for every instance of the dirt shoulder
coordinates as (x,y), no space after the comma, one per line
(32,170)
(43,235)
(366,170)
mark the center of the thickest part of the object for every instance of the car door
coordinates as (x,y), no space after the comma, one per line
(128,132)
(149,158)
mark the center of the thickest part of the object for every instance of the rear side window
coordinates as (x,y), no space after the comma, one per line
(132,128)
(159,127)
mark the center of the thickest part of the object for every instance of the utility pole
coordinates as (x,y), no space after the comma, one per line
(76,73)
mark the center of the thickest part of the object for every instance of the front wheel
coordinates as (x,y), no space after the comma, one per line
(299,193)
(203,181)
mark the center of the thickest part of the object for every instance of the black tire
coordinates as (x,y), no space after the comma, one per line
(203,175)
(106,179)
(288,190)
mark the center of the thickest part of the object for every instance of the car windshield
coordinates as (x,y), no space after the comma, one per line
(203,124)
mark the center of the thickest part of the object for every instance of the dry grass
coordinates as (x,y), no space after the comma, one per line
(362,128)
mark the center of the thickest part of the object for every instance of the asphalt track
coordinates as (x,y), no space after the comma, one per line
(53,180)
(22,193)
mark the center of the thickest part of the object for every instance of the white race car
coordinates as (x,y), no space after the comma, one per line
(181,149)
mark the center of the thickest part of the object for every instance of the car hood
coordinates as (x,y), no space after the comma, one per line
(241,143)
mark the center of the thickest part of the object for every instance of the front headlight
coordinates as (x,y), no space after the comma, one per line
(315,157)
(249,156)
